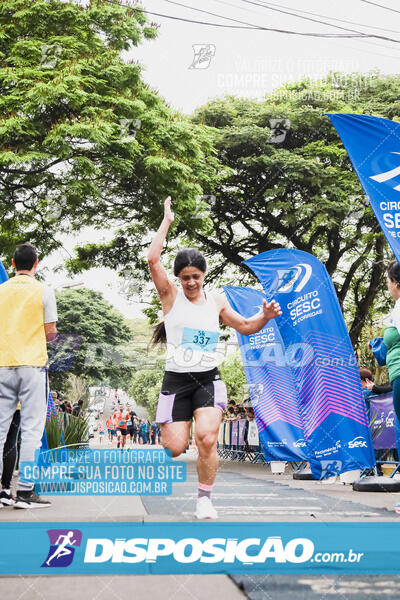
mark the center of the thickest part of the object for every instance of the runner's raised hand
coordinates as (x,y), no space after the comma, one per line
(168,214)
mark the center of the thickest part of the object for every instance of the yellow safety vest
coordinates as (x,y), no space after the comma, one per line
(22,336)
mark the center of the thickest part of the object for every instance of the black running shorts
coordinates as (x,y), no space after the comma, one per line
(182,393)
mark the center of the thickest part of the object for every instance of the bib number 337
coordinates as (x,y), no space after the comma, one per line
(200,339)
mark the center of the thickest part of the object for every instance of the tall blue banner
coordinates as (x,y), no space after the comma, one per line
(323,363)
(270,382)
(373,145)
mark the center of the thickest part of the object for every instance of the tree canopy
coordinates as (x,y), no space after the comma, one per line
(290,183)
(91,342)
(284,179)
(83,140)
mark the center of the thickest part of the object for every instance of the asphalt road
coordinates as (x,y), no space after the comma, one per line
(243,492)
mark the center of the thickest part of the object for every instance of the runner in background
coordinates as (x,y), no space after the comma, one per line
(192,386)
(110,428)
(122,429)
(117,416)
(131,425)
(101,430)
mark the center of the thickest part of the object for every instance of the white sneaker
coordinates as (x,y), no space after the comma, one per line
(205,509)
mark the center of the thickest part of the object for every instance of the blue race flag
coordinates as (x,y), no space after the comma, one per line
(3,273)
(51,408)
(373,145)
(269,381)
(322,361)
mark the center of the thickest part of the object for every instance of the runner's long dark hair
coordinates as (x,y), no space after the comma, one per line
(187,257)
(393,272)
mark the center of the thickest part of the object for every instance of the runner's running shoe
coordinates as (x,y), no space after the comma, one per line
(205,509)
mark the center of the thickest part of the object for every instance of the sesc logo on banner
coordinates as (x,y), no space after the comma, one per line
(358,442)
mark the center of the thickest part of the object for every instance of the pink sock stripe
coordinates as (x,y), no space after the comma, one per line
(205,488)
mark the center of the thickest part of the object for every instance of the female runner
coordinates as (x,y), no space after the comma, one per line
(192,386)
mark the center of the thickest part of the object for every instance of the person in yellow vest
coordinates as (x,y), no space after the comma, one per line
(28,316)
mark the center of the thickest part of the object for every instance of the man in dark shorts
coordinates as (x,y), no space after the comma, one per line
(131,424)
(122,428)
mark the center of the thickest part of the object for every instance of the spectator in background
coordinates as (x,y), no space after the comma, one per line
(385,388)
(77,409)
(250,413)
(28,316)
(370,389)
(10,459)
(243,413)
(391,336)
(136,422)
(139,434)
(236,412)
(229,414)
(366,376)
(144,430)
(153,430)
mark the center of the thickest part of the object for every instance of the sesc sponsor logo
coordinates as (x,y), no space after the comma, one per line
(300,443)
(358,442)
(191,550)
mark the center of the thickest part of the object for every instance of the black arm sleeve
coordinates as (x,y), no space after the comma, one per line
(382,389)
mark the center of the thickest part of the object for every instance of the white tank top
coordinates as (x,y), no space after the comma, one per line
(192,335)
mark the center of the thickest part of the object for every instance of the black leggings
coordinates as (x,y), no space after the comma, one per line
(10,451)
(396,397)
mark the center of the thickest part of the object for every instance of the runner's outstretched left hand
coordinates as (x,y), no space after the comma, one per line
(271,309)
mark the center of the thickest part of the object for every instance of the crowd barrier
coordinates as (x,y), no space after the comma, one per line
(386,433)
(383,420)
(239,440)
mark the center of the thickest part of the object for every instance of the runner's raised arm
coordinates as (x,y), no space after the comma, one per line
(158,273)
